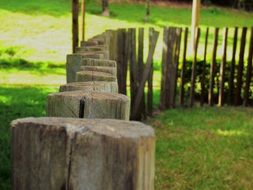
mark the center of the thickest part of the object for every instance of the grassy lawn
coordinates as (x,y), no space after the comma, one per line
(200,148)
(204,148)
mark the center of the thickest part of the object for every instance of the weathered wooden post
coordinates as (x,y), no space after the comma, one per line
(92,86)
(81,154)
(75,62)
(75,31)
(81,104)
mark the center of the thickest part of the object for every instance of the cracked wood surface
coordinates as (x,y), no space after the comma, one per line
(96,105)
(75,61)
(82,154)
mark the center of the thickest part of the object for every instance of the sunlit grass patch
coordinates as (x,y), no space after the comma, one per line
(204,148)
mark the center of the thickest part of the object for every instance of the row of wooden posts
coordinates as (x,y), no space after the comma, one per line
(229,78)
(87,141)
(185,80)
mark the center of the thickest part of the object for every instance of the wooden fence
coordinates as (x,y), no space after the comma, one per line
(189,78)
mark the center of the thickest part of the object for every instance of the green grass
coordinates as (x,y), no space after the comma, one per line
(204,148)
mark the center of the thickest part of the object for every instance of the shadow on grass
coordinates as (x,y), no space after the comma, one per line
(17,102)
(9,59)
(39,67)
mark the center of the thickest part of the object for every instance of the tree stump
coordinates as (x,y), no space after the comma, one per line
(82,154)
(110,70)
(95,86)
(81,104)
(86,76)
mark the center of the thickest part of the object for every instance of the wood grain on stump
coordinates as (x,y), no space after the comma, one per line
(85,76)
(92,48)
(81,104)
(95,54)
(110,70)
(75,61)
(98,62)
(82,154)
(91,43)
(94,86)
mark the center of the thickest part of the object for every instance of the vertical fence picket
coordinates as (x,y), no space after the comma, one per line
(249,71)
(182,75)
(141,110)
(239,80)
(121,60)
(133,67)
(150,79)
(194,65)
(75,34)
(203,75)
(231,85)
(164,69)
(212,68)
(223,67)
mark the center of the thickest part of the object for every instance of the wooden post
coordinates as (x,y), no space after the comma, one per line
(67,153)
(83,20)
(181,93)
(94,86)
(146,72)
(212,68)
(76,61)
(133,68)
(81,104)
(194,65)
(142,108)
(75,28)
(196,5)
(170,67)
(164,69)
(240,67)
(231,86)
(150,78)
(249,71)
(121,60)
(223,67)
(86,76)
(203,76)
